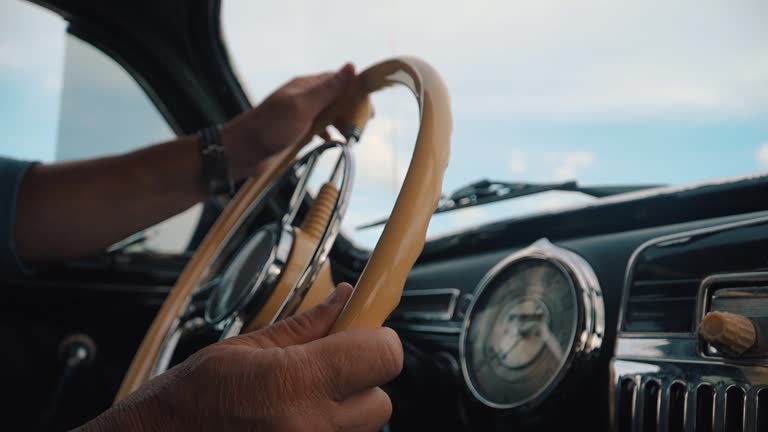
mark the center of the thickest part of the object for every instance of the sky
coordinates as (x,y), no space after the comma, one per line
(604,92)
(601,91)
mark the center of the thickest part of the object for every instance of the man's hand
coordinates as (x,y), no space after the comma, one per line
(281,120)
(287,377)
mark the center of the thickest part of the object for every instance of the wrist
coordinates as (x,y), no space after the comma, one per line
(245,148)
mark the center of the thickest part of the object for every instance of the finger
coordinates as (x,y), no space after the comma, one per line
(300,329)
(309,81)
(367,411)
(347,363)
(326,90)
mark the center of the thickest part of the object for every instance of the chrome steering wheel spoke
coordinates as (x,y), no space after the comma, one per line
(250,263)
(179,329)
(343,175)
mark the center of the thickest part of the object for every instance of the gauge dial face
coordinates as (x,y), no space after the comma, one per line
(519,332)
(237,282)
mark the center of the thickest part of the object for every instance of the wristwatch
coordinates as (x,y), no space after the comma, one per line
(214,162)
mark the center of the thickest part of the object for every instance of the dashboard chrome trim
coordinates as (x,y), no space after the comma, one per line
(424,328)
(752,382)
(443,315)
(591,322)
(677,358)
(702,306)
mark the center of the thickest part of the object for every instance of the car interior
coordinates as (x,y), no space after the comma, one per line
(640,305)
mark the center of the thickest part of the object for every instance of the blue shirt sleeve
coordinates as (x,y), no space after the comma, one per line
(11,174)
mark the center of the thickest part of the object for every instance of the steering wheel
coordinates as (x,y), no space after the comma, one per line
(249,280)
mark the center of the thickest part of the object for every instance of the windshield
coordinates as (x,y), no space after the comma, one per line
(652,92)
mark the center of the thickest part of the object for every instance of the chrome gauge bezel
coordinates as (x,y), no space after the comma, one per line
(590,326)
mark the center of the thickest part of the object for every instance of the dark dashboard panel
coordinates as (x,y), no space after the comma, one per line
(609,256)
(672,283)
(666,276)
(115,301)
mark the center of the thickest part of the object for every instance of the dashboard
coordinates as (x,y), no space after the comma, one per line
(596,332)
(585,319)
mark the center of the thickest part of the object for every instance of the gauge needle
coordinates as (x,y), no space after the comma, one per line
(551,342)
(499,355)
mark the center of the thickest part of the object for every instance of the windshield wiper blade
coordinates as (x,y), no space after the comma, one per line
(488,191)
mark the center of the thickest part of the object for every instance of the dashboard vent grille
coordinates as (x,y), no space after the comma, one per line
(650,406)
(705,409)
(762,410)
(626,404)
(678,396)
(734,409)
(661,306)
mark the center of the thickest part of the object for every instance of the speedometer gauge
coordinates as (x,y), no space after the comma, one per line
(534,315)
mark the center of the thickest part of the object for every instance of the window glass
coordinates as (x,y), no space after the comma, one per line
(651,92)
(67,100)
(31,68)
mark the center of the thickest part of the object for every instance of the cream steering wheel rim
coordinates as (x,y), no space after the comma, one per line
(378,291)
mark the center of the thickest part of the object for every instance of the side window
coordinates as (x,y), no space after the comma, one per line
(68,101)
(31,70)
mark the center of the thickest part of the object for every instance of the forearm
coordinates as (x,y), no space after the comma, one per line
(72,209)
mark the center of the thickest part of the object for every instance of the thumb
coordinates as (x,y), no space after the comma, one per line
(300,329)
(327,90)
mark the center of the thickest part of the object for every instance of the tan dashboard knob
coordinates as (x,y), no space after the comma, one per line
(729,333)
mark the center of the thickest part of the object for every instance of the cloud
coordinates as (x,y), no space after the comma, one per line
(53,83)
(547,60)
(379,166)
(31,40)
(762,155)
(518,162)
(572,163)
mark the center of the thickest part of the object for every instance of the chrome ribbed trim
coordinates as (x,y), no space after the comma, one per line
(736,404)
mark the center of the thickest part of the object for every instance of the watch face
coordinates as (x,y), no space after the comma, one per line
(241,276)
(519,332)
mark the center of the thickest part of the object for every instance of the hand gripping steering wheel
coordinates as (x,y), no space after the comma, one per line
(245,280)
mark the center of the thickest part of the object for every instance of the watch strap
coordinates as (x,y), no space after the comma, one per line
(215,166)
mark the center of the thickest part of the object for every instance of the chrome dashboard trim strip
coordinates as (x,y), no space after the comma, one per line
(424,328)
(445,315)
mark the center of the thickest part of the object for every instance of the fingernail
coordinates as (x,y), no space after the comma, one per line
(333,298)
(339,295)
(347,72)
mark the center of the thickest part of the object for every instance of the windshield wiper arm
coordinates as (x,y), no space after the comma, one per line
(487,191)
